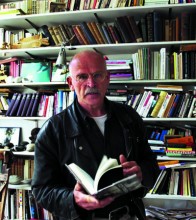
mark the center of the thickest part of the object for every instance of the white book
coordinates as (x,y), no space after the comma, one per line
(171,183)
(162,63)
(117,98)
(144,107)
(109,179)
(191,108)
(147,108)
(176,182)
(159,180)
(145,93)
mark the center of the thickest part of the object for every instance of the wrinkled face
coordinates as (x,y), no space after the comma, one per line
(89,79)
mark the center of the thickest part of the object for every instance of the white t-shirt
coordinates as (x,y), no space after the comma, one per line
(100,121)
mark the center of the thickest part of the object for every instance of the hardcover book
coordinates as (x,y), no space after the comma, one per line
(108,181)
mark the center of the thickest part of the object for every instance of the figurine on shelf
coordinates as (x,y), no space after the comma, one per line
(34,132)
(3,72)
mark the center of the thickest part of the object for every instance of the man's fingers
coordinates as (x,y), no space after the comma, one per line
(122,159)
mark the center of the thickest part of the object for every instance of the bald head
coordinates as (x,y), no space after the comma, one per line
(87,58)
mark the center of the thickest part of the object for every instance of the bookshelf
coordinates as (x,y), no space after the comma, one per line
(121,50)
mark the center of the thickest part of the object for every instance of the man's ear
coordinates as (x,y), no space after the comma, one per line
(69,81)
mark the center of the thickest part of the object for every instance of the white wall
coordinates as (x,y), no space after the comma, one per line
(25,125)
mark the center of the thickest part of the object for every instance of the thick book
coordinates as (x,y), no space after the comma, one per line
(108,181)
(14,97)
(87,33)
(26,104)
(15,107)
(21,106)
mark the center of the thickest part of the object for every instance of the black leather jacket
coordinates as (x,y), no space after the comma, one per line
(59,141)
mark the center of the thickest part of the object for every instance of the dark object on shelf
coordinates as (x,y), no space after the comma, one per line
(34,133)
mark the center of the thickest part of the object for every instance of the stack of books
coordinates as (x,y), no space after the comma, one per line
(120,69)
(180,147)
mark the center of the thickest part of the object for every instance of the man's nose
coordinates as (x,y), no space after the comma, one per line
(91,82)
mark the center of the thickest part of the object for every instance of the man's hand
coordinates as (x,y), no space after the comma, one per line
(89,202)
(130,167)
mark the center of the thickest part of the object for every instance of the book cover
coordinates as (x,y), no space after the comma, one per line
(14,97)
(58,35)
(44,29)
(87,33)
(29,108)
(109,179)
(135,29)
(99,27)
(15,107)
(93,31)
(21,106)
(79,31)
(125,29)
(54,37)
(26,104)
(97,32)
(36,71)
(35,106)
(159,103)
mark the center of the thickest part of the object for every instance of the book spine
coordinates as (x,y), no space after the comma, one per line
(16,105)
(14,97)
(135,29)
(88,33)
(21,106)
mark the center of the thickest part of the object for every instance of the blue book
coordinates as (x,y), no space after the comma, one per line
(21,106)
(14,97)
(15,107)
(34,110)
(88,33)
(31,105)
(26,104)
(172,109)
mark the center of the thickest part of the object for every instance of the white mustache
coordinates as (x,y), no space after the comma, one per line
(91,90)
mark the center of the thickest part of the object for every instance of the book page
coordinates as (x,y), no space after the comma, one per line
(105,165)
(82,177)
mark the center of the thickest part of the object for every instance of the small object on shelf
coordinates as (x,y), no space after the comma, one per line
(26,181)
(31,42)
(15,180)
(30,147)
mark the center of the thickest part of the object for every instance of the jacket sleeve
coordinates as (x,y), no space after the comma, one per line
(48,180)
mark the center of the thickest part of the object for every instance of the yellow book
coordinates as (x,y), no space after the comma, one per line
(179,149)
(11,12)
(159,103)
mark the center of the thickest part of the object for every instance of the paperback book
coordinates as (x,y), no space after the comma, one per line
(108,181)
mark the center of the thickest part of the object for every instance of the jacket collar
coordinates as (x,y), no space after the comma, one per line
(72,127)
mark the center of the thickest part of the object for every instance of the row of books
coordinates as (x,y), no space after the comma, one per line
(45,6)
(23,168)
(39,104)
(20,204)
(164,64)
(178,180)
(125,29)
(160,103)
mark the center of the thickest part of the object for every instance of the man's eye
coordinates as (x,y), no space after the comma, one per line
(97,75)
(82,76)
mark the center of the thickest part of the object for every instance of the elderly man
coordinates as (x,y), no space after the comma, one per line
(88,129)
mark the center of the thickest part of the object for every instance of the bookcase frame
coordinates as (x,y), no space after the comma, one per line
(121,50)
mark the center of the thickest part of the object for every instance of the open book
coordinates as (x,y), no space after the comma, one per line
(108,181)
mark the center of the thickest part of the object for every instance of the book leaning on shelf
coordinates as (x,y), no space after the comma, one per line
(108,181)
